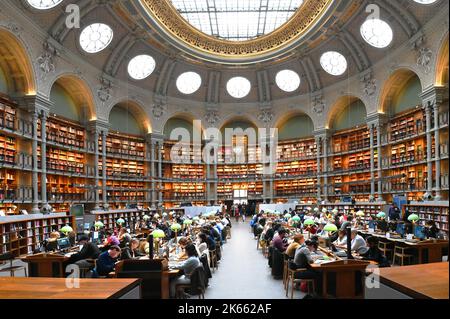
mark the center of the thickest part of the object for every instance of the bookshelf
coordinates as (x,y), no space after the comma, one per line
(8,114)
(63,132)
(60,160)
(296,168)
(63,189)
(8,186)
(125,191)
(8,150)
(295,150)
(186,192)
(21,235)
(351,140)
(371,209)
(109,218)
(124,145)
(306,187)
(407,124)
(185,171)
(438,212)
(121,168)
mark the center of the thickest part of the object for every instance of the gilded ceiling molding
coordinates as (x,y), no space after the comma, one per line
(309,16)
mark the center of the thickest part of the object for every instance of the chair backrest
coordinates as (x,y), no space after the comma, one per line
(6,257)
(198,281)
(204,261)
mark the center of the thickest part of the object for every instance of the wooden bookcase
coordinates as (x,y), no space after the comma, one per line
(21,235)
(64,132)
(124,145)
(184,192)
(371,209)
(125,191)
(296,150)
(438,212)
(407,124)
(8,114)
(306,187)
(8,150)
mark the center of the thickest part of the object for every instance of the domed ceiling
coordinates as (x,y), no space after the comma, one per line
(235,31)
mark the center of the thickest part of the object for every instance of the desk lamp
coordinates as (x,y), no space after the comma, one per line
(98,224)
(296,220)
(330,228)
(66,229)
(309,223)
(360,214)
(158,234)
(287,216)
(413,218)
(176,228)
(120,222)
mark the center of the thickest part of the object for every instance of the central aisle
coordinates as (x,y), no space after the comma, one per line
(243,272)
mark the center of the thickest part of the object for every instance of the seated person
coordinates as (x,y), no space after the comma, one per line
(202,243)
(188,268)
(124,237)
(110,241)
(358,242)
(374,253)
(303,260)
(341,241)
(320,232)
(51,244)
(183,242)
(106,262)
(131,251)
(89,250)
(298,241)
(279,240)
(430,230)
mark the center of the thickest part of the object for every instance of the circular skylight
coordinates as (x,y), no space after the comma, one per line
(334,63)
(237,20)
(288,80)
(141,67)
(44,4)
(189,82)
(238,87)
(425,1)
(377,33)
(96,37)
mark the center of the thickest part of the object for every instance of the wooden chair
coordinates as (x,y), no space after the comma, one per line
(285,269)
(213,260)
(400,252)
(201,287)
(387,248)
(292,281)
(8,257)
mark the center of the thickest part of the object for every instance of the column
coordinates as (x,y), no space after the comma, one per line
(325,167)
(96,170)
(372,161)
(152,172)
(104,190)
(429,149)
(160,173)
(380,195)
(35,176)
(437,150)
(319,186)
(45,205)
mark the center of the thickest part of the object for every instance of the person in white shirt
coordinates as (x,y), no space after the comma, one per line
(358,242)
(341,241)
(224,221)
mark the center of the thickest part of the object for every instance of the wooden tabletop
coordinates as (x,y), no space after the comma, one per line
(428,281)
(55,288)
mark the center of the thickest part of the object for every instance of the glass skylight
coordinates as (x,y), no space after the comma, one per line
(238,87)
(287,80)
(334,63)
(96,37)
(44,4)
(189,82)
(425,1)
(377,33)
(237,20)
(141,67)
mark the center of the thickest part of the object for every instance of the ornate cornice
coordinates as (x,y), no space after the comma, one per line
(163,15)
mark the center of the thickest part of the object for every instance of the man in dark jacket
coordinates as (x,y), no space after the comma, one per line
(106,262)
(87,252)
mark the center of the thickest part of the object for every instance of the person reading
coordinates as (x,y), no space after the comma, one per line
(106,262)
(131,251)
(188,267)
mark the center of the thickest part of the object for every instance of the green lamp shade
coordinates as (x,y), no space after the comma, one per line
(175,227)
(296,219)
(196,218)
(164,214)
(98,224)
(309,222)
(187,222)
(66,229)
(360,213)
(146,217)
(330,227)
(316,209)
(120,221)
(287,216)
(413,217)
(381,215)
(158,233)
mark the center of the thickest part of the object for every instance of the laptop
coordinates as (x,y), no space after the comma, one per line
(63,243)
